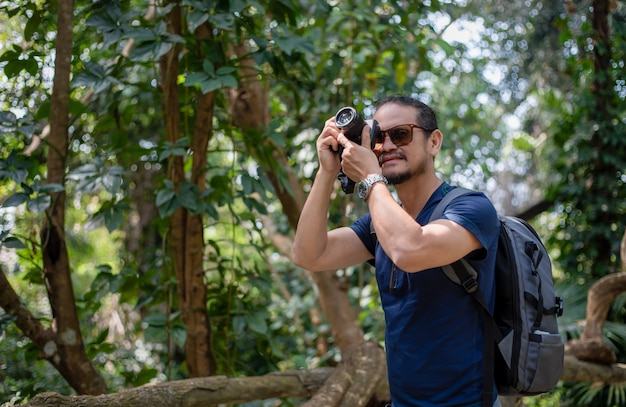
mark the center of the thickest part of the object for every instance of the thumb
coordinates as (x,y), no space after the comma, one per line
(365,134)
(369,134)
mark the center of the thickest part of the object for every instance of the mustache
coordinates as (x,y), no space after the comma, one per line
(391,156)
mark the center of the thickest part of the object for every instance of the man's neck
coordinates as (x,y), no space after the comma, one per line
(415,193)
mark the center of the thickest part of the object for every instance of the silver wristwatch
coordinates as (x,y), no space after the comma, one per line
(366,185)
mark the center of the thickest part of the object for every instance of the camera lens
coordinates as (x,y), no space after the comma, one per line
(345,116)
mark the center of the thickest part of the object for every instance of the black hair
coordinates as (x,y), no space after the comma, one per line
(425,114)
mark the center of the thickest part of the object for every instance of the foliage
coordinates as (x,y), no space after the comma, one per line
(516,122)
(589,153)
(21,374)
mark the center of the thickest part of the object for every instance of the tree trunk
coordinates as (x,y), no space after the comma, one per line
(249,110)
(602,112)
(65,349)
(591,347)
(355,381)
(186,242)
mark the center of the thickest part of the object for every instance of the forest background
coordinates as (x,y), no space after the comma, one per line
(154,157)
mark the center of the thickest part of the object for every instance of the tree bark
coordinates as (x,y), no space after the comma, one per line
(200,392)
(211,391)
(591,347)
(602,112)
(64,348)
(352,385)
(355,381)
(186,242)
(622,251)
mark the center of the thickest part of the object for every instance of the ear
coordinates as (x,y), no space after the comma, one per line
(435,140)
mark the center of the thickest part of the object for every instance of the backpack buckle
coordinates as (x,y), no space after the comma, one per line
(559,306)
(470,285)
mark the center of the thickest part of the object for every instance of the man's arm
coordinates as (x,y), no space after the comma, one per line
(414,247)
(317,249)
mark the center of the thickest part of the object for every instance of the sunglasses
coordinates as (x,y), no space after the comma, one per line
(400,135)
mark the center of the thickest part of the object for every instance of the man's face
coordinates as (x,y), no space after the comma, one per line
(401,163)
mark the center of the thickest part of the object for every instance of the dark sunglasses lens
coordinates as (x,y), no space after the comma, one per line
(401,135)
(380,139)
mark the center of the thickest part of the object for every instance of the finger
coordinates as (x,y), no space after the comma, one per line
(328,139)
(343,140)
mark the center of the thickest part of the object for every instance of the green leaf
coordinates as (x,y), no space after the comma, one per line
(195,77)
(156,320)
(15,200)
(225,70)
(83,170)
(239,325)
(256,321)
(207,66)
(210,210)
(210,85)
(144,376)
(224,21)
(32,25)
(219,82)
(290,43)
(13,243)
(112,183)
(167,202)
(39,204)
(11,55)
(114,218)
(150,51)
(94,76)
(141,34)
(51,188)
(196,18)
(189,197)
(164,196)
(523,143)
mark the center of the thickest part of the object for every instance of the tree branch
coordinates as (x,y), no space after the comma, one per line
(30,326)
(200,392)
(211,391)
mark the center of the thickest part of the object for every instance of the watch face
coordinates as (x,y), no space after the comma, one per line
(362,190)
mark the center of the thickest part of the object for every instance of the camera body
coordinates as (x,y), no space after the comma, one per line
(349,120)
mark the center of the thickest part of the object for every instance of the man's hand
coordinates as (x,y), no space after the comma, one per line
(328,147)
(358,161)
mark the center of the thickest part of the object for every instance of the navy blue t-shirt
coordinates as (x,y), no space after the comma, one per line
(434,334)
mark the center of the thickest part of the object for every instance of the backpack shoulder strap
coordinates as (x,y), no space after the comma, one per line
(441,206)
(449,197)
(462,273)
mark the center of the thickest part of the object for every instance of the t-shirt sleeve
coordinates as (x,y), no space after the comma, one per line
(476,214)
(364,230)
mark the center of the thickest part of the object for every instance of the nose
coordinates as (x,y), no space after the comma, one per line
(387,143)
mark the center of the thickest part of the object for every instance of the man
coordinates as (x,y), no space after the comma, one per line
(434,335)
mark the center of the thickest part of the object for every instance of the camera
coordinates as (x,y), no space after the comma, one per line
(349,120)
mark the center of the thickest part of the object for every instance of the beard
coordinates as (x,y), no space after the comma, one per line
(399,178)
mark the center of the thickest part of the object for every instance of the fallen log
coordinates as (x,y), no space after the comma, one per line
(200,392)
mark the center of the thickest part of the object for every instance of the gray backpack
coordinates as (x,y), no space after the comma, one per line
(524,329)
